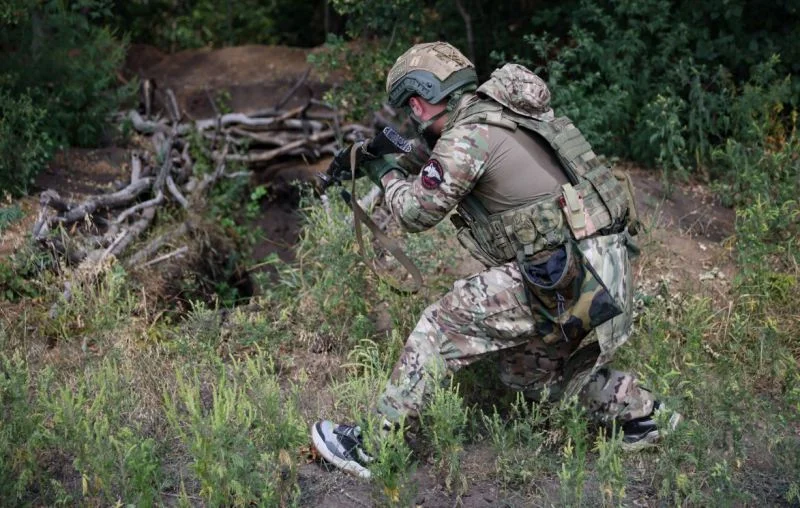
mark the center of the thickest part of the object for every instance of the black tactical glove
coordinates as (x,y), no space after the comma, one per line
(340,166)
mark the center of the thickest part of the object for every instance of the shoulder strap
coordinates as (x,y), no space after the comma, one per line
(360,216)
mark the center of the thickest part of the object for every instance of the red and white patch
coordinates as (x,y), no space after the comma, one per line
(431,174)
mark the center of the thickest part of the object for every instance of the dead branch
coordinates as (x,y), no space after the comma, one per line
(151,127)
(138,207)
(173,189)
(136,167)
(155,244)
(172,107)
(239,174)
(281,103)
(266,156)
(88,207)
(166,166)
(134,231)
(176,253)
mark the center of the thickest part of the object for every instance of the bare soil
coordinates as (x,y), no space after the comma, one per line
(686,242)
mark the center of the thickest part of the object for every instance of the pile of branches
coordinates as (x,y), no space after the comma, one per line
(108,225)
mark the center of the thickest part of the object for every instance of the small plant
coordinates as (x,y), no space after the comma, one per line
(94,307)
(444,421)
(369,368)
(242,438)
(519,439)
(392,466)
(571,417)
(19,429)
(9,215)
(89,422)
(609,466)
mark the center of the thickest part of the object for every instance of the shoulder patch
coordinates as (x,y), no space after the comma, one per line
(431,174)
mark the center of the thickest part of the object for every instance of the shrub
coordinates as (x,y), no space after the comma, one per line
(242,441)
(24,147)
(55,53)
(19,426)
(179,25)
(650,81)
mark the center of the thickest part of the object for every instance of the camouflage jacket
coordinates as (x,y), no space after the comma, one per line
(457,162)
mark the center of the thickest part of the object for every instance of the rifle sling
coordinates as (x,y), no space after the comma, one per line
(360,216)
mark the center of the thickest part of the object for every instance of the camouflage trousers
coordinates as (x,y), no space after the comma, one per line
(544,344)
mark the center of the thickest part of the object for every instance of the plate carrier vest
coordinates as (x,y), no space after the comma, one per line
(596,201)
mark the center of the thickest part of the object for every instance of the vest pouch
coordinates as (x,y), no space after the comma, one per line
(566,289)
(590,207)
(634,224)
(549,222)
(611,191)
(554,278)
(468,241)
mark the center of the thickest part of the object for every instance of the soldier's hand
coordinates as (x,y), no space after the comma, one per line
(377,168)
(340,166)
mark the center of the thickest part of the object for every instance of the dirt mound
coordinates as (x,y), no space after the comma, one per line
(255,77)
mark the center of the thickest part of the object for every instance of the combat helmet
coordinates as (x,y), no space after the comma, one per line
(432,70)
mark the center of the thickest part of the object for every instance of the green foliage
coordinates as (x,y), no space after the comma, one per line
(89,422)
(645,82)
(180,25)
(610,470)
(444,421)
(333,286)
(56,54)
(572,418)
(241,435)
(93,307)
(365,89)
(392,466)
(9,215)
(24,273)
(24,148)
(519,440)
(369,367)
(19,429)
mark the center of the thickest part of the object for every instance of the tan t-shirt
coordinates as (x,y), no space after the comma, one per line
(520,167)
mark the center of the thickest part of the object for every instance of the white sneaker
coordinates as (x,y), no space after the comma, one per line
(342,446)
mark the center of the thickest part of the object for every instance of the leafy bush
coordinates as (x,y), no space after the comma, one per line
(242,441)
(24,147)
(55,53)
(645,83)
(19,426)
(179,25)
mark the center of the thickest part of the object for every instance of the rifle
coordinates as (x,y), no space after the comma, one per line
(345,167)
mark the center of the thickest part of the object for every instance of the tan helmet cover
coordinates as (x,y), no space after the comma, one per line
(431,70)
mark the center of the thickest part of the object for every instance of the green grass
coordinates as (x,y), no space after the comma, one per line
(112,398)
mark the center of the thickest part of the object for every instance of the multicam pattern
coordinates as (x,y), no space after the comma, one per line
(543,343)
(439,58)
(460,153)
(520,90)
(492,311)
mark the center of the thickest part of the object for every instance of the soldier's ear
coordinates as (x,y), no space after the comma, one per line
(416,105)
